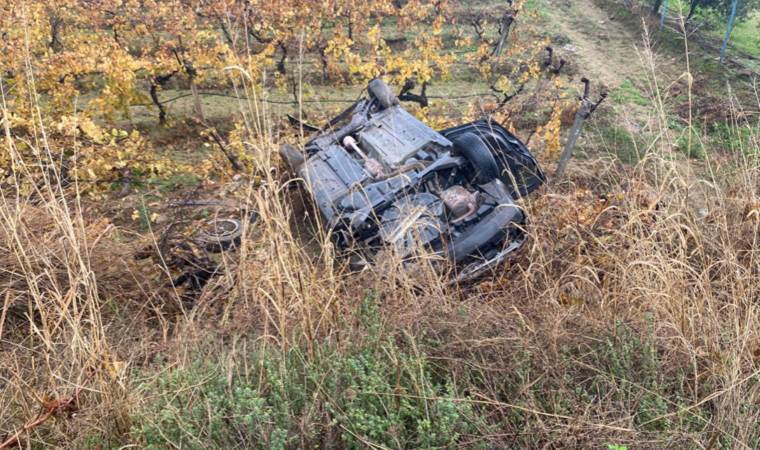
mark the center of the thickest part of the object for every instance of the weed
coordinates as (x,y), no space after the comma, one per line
(143,215)
(617,140)
(627,93)
(371,393)
(734,139)
(689,142)
(616,447)
(176,181)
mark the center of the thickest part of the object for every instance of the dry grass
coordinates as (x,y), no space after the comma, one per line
(59,272)
(632,317)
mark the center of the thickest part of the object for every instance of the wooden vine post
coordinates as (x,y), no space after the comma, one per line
(585,110)
(505,25)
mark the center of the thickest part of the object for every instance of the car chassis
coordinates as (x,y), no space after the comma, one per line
(382,179)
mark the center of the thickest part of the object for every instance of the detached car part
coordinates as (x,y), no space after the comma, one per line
(380,178)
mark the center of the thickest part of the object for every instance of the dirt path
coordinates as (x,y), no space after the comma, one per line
(602,49)
(604,46)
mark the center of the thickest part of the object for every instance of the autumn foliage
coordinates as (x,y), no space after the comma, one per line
(83,66)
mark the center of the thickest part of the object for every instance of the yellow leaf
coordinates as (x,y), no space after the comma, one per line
(91,130)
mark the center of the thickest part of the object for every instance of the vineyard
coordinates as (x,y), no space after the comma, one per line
(629,319)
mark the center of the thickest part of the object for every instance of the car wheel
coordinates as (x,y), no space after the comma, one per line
(382,93)
(480,157)
(217,235)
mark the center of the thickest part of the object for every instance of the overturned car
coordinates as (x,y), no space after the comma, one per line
(381,179)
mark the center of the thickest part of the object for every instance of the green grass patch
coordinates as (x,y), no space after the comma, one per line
(617,140)
(746,34)
(175,181)
(539,6)
(732,138)
(689,141)
(628,370)
(628,93)
(744,37)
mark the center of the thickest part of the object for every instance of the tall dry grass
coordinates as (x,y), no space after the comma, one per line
(631,317)
(60,270)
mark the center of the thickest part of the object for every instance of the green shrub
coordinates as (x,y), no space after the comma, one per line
(372,392)
(732,138)
(630,369)
(196,407)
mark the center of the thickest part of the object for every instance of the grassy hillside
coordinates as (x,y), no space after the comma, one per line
(629,320)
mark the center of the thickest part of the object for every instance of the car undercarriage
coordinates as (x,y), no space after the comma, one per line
(381,179)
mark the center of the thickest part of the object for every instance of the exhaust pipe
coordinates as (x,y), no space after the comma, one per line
(484,232)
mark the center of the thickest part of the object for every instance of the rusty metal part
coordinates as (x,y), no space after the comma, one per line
(411,165)
(461,202)
(472,208)
(372,165)
(375,169)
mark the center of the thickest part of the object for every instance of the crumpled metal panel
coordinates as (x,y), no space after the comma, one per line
(395,135)
(330,174)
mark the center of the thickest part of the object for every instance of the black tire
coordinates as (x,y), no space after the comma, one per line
(292,156)
(480,157)
(218,235)
(382,93)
